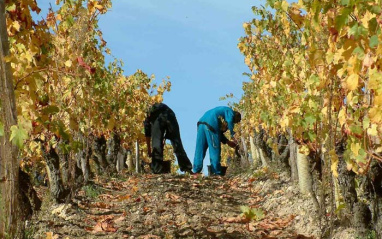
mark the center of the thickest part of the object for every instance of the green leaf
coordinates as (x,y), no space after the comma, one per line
(373,41)
(252,213)
(373,26)
(366,122)
(358,30)
(271,3)
(376,9)
(60,128)
(345,2)
(1,129)
(310,119)
(342,18)
(51,109)
(356,129)
(247,212)
(340,207)
(313,79)
(18,135)
(375,79)
(359,52)
(312,136)
(361,157)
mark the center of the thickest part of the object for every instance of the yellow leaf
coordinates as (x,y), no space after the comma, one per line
(304,150)
(329,57)
(295,110)
(375,114)
(375,78)
(324,111)
(68,63)
(28,55)
(111,123)
(284,6)
(378,150)
(378,100)
(373,130)
(367,61)
(49,235)
(16,25)
(99,7)
(334,160)
(341,72)
(286,24)
(366,18)
(342,117)
(284,122)
(349,98)
(352,82)
(349,166)
(247,61)
(252,121)
(355,147)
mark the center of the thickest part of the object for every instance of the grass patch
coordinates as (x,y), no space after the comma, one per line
(29,233)
(92,191)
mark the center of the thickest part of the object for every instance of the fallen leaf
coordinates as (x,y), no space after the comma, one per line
(214,230)
(150,237)
(50,235)
(120,219)
(108,227)
(105,196)
(234,219)
(146,209)
(226,196)
(172,196)
(101,205)
(103,226)
(124,198)
(59,209)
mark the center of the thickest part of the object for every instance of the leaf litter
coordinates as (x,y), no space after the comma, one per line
(174,206)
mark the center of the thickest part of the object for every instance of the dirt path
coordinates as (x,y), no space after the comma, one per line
(166,206)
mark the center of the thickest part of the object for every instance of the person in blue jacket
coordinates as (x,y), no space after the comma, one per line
(210,135)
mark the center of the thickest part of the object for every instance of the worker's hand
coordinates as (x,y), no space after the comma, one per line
(235,140)
(232,144)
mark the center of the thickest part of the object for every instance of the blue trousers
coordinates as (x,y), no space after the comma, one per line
(207,139)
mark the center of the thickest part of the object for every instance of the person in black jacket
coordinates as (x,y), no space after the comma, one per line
(161,124)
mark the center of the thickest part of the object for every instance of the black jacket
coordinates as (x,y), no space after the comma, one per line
(153,114)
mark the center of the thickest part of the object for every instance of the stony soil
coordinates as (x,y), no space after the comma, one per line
(181,206)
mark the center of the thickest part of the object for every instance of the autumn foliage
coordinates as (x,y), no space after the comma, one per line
(316,70)
(63,84)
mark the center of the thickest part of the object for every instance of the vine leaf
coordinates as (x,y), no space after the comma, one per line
(18,135)
(334,160)
(352,82)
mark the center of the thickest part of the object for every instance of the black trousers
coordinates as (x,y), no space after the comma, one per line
(166,127)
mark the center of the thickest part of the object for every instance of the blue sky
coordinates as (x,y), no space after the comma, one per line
(192,42)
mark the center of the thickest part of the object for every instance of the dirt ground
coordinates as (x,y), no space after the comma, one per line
(183,206)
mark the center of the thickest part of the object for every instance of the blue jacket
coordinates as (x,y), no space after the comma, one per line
(211,117)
